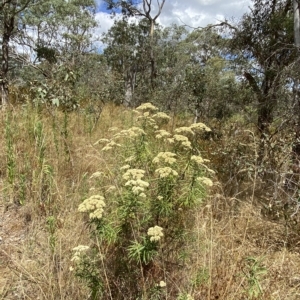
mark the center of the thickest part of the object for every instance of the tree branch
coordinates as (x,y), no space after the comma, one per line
(223,23)
(253,83)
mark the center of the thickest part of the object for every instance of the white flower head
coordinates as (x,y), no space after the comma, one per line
(183,140)
(200,127)
(162,284)
(205,181)
(110,145)
(78,252)
(134,174)
(184,130)
(162,133)
(147,107)
(94,205)
(142,195)
(149,121)
(161,116)
(131,133)
(155,233)
(197,159)
(167,157)
(166,172)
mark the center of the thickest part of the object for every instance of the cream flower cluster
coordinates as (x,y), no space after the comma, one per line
(134,180)
(197,159)
(147,107)
(77,252)
(155,233)
(147,111)
(200,127)
(167,157)
(183,140)
(161,116)
(162,284)
(138,187)
(134,174)
(132,132)
(166,172)
(162,133)
(145,117)
(184,130)
(205,181)
(110,145)
(94,205)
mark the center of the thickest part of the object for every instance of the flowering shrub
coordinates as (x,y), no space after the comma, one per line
(145,224)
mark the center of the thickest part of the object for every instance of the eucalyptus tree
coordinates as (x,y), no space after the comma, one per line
(45,35)
(62,38)
(143,9)
(296,6)
(10,14)
(127,53)
(263,44)
(59,28)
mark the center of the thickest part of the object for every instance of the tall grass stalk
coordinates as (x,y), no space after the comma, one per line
(10,150)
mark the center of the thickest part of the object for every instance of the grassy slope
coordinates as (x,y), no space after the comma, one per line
(50,160)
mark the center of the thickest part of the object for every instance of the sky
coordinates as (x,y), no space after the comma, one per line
(194,13)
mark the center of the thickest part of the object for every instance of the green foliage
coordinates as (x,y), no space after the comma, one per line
(22,188)
(254,273)
(259,46)
(40,142)
(202,277)
(51,226)
(191,73)
(143,252)
(60,38)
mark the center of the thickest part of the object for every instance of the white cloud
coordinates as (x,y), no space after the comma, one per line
(105,21)
(195,13)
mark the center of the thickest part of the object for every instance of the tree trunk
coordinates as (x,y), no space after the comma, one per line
(297,22)
(4,71)
(267,104)
(296,146)
(152,58)
(8,27)
(129,87)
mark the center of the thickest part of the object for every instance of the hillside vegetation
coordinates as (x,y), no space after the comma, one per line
(151,162)
(224,236)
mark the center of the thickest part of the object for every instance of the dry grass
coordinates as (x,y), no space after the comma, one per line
(229,230)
